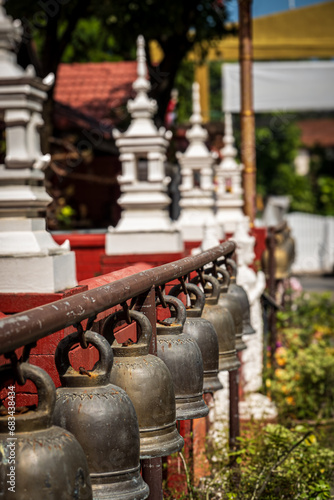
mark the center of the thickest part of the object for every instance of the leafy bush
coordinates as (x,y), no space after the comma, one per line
(273,463)
(303,384)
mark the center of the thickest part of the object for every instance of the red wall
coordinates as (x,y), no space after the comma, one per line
(43,354)
(88,249)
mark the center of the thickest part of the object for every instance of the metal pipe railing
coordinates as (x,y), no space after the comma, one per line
(29,326)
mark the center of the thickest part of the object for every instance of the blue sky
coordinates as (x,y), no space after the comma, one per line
(265,7)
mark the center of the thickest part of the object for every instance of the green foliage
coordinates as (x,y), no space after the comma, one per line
(216,113)
(90,30)
(277,144)
(91,42)
(303,386)
(325,195)
(183,83)
(276,148)
(272,463)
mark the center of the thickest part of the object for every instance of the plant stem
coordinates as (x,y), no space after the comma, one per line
(187,476)
(279,462)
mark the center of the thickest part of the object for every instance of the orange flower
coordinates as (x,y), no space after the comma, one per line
(279,373)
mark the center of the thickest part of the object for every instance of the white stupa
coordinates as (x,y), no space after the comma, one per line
(197,187)
(229,195)
(30,260)
(145,225)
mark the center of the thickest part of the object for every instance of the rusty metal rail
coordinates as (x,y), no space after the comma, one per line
(29,326)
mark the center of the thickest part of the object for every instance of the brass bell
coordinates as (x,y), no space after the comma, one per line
(183,357)
(222,321)
(148,382)
(39,460)
(284,253)
(204,334)
(103,419)
(231,303)
(242,296)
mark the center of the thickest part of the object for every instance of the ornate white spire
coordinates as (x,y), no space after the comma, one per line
(196,117)
(197,134)
(143,182)
(197,188)
(10,31)
(229,152)
(142,106)
(141,84)
(229,193)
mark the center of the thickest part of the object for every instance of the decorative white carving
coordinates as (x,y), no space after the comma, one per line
(229,195)
(197,187)
(30,260)
(144,199)
(254,285)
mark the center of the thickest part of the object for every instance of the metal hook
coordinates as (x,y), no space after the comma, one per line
(26,351)
(160,297)
(183,285)
(82,332)
(16,364)
(83,341)
(127,312)
(200,273)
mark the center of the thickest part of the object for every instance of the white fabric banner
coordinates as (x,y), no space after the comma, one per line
(282,86)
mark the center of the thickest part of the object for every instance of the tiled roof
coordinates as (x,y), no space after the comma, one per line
(317,132)
(95,89)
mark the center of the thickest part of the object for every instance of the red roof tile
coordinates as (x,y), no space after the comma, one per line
(317,132)
(95,89)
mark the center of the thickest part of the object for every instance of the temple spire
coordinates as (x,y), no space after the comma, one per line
(142,107)
(141,84)
(228,152)
(196,117)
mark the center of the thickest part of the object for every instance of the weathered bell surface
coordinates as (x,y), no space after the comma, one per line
(148,382)
(221,319)
(183,357)
(103,419)
(205,335)
(284,254)
(48,461)
(289,245)
(242,296)
(231,303)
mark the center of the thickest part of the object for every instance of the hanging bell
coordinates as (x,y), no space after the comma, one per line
(239,292)
(203,332)
(39,460)
(231,303)
(148,382)
(183,357)
(221,318)
(103,419)
(284,253)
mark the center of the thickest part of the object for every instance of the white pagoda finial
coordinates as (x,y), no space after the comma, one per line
(142,84)
(142,106)
(196,117)
(10,31)
(196,135)
(228,151)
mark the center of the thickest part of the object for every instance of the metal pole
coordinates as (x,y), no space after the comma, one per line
(234,428)
(27,327)
(151,467)
(272,292)
(248,155)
